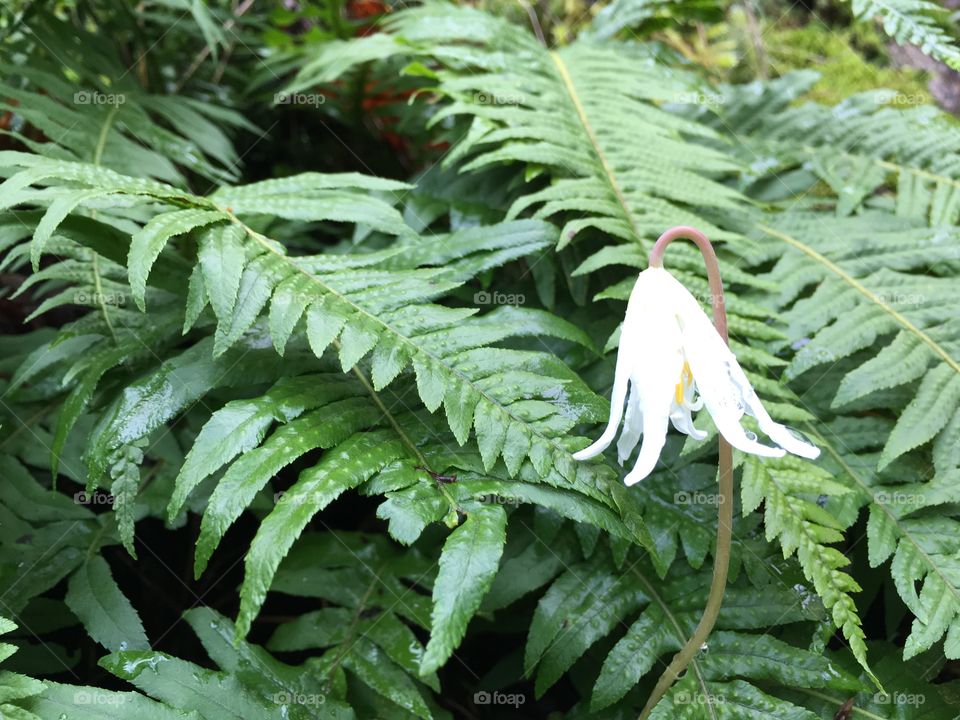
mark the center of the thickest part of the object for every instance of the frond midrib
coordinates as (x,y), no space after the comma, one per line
(934,346)
(391,418)
(267,245)
(888,165)
(904,534)
(839,703)
(608,173)
(918,171)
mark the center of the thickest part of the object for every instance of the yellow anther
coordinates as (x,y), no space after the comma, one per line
(686,378)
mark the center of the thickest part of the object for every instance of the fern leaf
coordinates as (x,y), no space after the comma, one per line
(177,383)
(59,699)
(916,146)
(592,599)
(94,597)
(16,689)
(222,258)
(146,245)
(116,126)
(906,682)
(914,306)
(468,564)
(915,22)
(937,399)
(556,115)
(189,687)
(921,547)
(369,588)
(802,526)
(240,426)
(55,214)
(571,619)
(750,703)
(375,669)
(247,476)
(125,472)
(354,461)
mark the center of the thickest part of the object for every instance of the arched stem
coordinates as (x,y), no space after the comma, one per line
(709,259)
(721,556)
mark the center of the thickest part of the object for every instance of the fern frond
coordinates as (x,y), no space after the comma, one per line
(578,139)
(923,564)
(118,126)
(373,595)
(593,598)
(359,309)
(803,526)
(855,146)
(861,301)
(16,689)
(917,22)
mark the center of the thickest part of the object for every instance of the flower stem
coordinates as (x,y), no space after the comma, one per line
(721,555)
(709,259)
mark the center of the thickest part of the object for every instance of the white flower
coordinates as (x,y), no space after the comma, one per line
(670,352)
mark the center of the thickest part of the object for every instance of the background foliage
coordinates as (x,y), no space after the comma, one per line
(306,307)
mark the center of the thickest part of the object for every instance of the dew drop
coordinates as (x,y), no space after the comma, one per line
(751,436)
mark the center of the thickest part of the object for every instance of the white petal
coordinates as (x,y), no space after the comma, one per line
(632,426)
(780,434)
(683,421)
(649,354)
(617,396)
(636,340)
(729,426)
(656,409)
(710,360)
(681,413)
(655,376)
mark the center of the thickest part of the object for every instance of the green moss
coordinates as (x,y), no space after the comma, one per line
(850,61)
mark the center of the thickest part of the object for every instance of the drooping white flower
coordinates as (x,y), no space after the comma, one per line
(670,352)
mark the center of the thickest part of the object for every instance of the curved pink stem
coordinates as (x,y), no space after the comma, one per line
(709,259)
